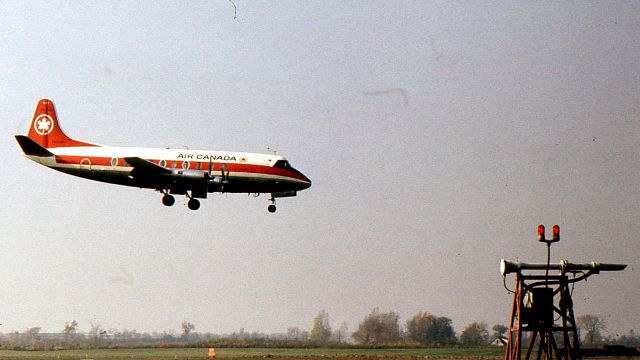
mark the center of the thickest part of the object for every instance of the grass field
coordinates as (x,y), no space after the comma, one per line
(306,354)
(274,354)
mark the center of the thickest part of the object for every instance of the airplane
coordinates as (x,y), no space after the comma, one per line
(193,173)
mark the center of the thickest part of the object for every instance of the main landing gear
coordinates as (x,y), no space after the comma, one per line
(169,200)
(193,204)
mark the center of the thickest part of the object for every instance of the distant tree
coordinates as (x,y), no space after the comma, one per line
(475,333)
(70,328)
(591,327)
(14,340)
(341,333)
(295,333)
(31,335)
(96,332)
(428,328)
(499,331)
(187,328)
(377,328)
(33,331)
(320,329)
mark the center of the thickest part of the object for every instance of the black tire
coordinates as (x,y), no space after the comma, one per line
(193,204)
(168,200)
(271,208)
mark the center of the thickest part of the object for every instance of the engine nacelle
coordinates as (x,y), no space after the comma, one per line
(216,183)
(189,174)
(198,181)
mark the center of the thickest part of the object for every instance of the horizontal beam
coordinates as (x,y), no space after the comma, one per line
(564,266)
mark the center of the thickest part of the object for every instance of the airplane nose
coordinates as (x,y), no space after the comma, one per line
(303,182)
(307,183)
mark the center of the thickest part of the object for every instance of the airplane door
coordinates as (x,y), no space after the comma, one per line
(85,164)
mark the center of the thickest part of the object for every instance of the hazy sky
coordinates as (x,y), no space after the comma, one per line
(437,134)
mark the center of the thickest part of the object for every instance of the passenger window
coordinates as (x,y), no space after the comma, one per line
(185,165)
(163,163)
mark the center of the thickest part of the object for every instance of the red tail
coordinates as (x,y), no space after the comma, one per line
(45,128)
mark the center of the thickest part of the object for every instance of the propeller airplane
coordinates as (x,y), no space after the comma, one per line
(193,173)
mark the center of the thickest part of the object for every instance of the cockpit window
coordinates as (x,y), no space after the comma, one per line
(283,164)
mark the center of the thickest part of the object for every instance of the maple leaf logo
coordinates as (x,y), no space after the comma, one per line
(43,125)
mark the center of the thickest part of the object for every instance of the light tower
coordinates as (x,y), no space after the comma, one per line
(542,304)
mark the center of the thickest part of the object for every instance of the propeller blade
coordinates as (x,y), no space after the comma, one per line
(225,177)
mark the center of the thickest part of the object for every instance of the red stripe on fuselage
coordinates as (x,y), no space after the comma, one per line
(178,164)
(78,160)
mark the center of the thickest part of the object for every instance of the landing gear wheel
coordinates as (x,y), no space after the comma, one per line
(168,200)
(272,207)
(193,204)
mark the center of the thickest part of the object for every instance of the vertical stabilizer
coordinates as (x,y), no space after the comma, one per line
(45,128)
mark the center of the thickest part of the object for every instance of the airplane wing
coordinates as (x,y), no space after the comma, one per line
(144,168)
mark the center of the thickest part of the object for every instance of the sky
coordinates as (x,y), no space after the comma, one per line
(437,134)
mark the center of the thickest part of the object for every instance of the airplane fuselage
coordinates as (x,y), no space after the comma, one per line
(248,172)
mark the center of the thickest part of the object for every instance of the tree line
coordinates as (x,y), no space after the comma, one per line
(377,329)
(423,329)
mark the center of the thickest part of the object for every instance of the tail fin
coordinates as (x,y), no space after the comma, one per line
(45,129)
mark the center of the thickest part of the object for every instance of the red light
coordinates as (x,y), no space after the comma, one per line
(556,233)
(541,233)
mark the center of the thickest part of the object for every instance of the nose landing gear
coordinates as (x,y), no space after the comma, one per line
(272,208)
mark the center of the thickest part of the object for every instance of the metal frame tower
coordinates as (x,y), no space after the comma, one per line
(542,305)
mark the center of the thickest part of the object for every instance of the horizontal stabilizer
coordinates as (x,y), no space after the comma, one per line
(144,168)
(31,148)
